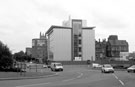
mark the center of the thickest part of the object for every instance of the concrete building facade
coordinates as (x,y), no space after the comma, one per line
(71,43)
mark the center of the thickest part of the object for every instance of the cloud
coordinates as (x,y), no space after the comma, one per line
(108,21)
(22,20)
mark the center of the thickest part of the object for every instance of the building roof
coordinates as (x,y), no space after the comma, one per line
(63,27)
(38,39)
(118,42)
(54,26)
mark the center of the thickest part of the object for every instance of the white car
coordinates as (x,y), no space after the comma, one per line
(45,66)
(96,65)
(107,68)
(56,67)
(131,69)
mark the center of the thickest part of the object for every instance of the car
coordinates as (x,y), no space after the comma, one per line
(44,66)
(107,68)
(56,66)
(96,65)
(131,69)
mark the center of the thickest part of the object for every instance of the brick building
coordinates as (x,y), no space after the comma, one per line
(111,48)
(39,48)
(115,46)
(100,49)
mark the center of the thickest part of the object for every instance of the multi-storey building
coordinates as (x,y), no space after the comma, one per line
(72,42)
(39,48)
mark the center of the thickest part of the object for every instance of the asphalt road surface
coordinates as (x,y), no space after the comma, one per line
(77,77)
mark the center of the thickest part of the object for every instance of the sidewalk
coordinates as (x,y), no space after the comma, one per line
(32,74)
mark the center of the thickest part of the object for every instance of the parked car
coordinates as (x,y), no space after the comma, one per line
(107,68)
(96,65)
(45,66)
(131,69)
(56,67)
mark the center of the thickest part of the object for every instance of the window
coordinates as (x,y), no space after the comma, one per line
(80,42)
(80,35)
(80,55)
(80,49)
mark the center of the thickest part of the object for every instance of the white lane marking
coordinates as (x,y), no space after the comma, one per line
(115,76)
(122,83)
(67,80)
(34,84)
(81,74)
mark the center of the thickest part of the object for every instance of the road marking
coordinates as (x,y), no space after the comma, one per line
(34,84)
(81,74)
(115,76)
(68,80)
(122,83)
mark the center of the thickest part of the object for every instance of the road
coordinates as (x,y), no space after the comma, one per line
(77,77)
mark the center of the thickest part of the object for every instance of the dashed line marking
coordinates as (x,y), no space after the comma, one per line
(122,83)
(81,74)
(115,76)
(67,80)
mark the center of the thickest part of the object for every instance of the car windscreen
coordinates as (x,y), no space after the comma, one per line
(133,66)
(108,66)
(58,64)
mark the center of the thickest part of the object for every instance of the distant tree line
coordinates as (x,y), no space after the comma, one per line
(23,57)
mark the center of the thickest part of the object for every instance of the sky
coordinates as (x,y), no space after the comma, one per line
(23,20)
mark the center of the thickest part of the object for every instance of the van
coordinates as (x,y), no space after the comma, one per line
(56,67)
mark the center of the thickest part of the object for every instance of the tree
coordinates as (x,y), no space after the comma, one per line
(5,57)
(21,57)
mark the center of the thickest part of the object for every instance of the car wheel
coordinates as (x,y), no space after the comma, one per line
(101,71)
(128,71)
(51,69)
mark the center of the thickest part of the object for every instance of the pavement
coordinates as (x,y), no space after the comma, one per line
(32,73)
(29,74)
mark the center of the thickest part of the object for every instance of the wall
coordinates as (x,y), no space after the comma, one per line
(50,46)
(62,44)
(88,40)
